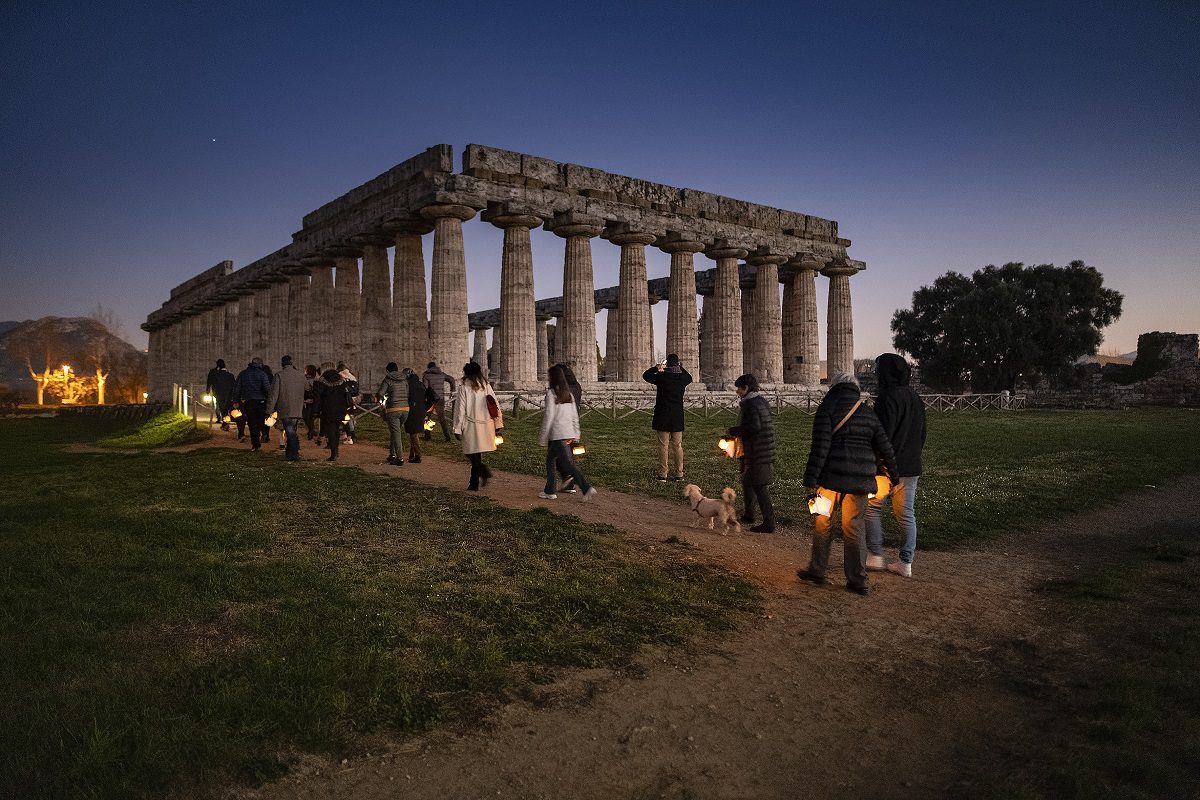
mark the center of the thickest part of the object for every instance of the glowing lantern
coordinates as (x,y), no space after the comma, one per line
(429,424)
(882,487)
(731,445)
(725,444)
(821,505)
(226,419)
(578,449)
(236,413)
(208,398)
(499,439)
(271,419)
(346,418)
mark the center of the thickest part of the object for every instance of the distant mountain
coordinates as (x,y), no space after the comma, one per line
(80,342)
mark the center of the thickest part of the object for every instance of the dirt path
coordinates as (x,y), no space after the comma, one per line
(827,694)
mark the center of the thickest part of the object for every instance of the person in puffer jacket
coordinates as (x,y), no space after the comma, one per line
(756,429)
(845,464)
(393,391)
(902,415)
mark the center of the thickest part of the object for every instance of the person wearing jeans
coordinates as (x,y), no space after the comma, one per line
(901,412)
(560,426)
(287,400)
(251,391)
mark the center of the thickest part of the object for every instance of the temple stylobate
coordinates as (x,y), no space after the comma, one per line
(351,284)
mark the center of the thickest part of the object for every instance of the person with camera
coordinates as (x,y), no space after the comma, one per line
(669,379)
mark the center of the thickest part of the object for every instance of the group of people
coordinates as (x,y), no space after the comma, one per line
(324,400)
(853,447)
(861,456)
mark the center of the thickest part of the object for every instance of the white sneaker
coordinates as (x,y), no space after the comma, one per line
(875,563)
(591,493)
(545,496)
(900,568)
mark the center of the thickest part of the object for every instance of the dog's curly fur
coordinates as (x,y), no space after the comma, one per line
(712,510)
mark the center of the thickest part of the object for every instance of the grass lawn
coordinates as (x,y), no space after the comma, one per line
(173,621)
(985,473)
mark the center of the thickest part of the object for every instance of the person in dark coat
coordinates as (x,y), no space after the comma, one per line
(669,379)
(310,375)
(220,384)
(568,481)
(436,381)
(334,402)
(414,424)
(756,429)
(843,464)
(393,393)
(251,391)
(902,415)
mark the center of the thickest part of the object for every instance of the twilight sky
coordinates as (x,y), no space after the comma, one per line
(144,143)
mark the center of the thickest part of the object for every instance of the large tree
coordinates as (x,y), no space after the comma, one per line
(1004,322)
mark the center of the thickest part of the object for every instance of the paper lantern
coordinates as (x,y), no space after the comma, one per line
(236,413)
(346,418)
(429,424)
(226,418)
(578,449)
(883,487)
(821,505)
(208,398)
(499,440)
(272,419)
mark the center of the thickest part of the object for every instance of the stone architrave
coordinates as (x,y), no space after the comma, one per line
(727,315)
(768,329)
(681,300)
(612,351)
(347,311)
(634,339)
(575,336)
(277,325)
(320,311)
(518,320)
(480,352)
(801,336)
(543,350)
(448,286)
(377,345)
(297,321)
(410,312)
(839,351)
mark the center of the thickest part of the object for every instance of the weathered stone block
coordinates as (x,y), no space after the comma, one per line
(699,201)
(578,177)
(764,217)
(543,170)
(477,156)
(815,226)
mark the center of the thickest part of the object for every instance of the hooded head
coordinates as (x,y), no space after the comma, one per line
(220,363)
(892,370)
(331,377)
(392,367)
(256,362)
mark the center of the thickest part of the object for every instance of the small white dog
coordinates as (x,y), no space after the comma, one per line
(713,509)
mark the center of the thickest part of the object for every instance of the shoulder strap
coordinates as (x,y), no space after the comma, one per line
(849,414)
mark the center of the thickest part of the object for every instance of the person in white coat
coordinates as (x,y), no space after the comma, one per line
(560,426)
(474,424)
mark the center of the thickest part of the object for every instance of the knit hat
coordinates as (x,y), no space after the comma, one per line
(842,377)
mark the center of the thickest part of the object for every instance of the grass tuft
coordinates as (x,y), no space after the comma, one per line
(169,429)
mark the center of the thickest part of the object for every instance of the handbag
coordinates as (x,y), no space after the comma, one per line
(493,407)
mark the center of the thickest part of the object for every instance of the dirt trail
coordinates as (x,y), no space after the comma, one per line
(826,694)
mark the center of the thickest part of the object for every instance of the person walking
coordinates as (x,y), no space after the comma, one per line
(568,482)
(355,398)
(560,427)
(847,444)
(310,375)
(220,384)
(393,393)
(335,401)
(287,400)
(250,392)
(902,415)
(266,429)
(756,428)
(436,381)
(415,422)
(474,423)
(669,379)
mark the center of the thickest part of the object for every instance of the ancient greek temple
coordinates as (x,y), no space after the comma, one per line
(336,293)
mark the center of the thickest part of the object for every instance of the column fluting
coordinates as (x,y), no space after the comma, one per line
(518,322)
(347,310)
(839,351)
(727,315)
(768,330)
(681,300)
(575,336)
(448,289)
(320,311)
(480,353)
(634,342)
(377,342)
(410,312)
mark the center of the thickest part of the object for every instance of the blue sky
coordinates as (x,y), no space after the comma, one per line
(940,135)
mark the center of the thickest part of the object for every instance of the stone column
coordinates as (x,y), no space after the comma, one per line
(377,345)
(543,350)
(801,343)
(410,313)
(575,336)
(245,332)
(768,344)
(727,315)
(480,353)
(839,351)
(277,324)
(216,333)
(634,342)
(154,365)
(706,337)
(229,333)
(612,337)
(681,299)
(448,290)
(518,323)
(347,312)
(749,358)
(320,310)
(260,327)
(298,345)
(497,356)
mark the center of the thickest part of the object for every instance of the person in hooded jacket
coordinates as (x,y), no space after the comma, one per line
(414,424)
(335,401)
(393,392)
(756,429)
(847,445)
(902,415)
